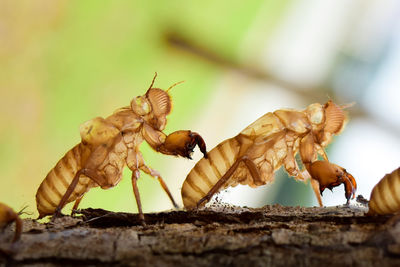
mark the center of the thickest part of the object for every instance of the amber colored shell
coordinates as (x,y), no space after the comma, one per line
(104,148)
(270,142)
(385,196)
(54,186)
(7,216)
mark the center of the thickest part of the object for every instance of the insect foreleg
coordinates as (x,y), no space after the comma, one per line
(290,163)
(179,143)
(329,175)
(308,154)
(291,166)
(315,187)
(250,166)
(323,153)
(293,169)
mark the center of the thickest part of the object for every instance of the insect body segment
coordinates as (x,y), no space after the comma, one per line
(272,141)
(385,196)
(59,178)
(7,216)
(108,145)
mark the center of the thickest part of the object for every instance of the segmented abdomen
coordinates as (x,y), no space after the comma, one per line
(208,171)
(385,196)
(54,186)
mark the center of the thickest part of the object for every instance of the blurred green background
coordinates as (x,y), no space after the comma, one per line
(65,62)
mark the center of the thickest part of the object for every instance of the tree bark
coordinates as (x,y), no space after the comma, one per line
(216,236)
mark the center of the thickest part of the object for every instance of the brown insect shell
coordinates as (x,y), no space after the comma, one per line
(385,196)
(266,141)
(7,215)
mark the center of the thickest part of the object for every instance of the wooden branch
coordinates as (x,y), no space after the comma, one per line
(219,235)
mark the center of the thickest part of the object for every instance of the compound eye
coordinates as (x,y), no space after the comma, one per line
(315,113)
(160,101)
(316,118)
(140,105)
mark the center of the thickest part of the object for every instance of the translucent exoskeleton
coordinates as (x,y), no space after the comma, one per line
(108,145)
(385,196)
(272,141)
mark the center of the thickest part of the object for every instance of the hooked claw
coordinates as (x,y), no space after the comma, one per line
(350,186)
(183,142)
(330,175)
(197,139)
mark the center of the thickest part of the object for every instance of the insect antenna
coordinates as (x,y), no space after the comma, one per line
(152,82)
(175,84)
(348,105)
(344,106)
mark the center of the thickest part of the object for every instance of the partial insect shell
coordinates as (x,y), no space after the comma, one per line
(385,196)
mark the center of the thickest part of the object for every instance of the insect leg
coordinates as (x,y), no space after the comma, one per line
(76,204)
(308,151)
(135,177)
(308,154)
(157,175)
(179,143)
(293,170)
(88,173)
(250,166)
(291,166)
(164,186)
(315,187)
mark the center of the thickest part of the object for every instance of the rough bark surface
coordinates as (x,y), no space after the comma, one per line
(216,236)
